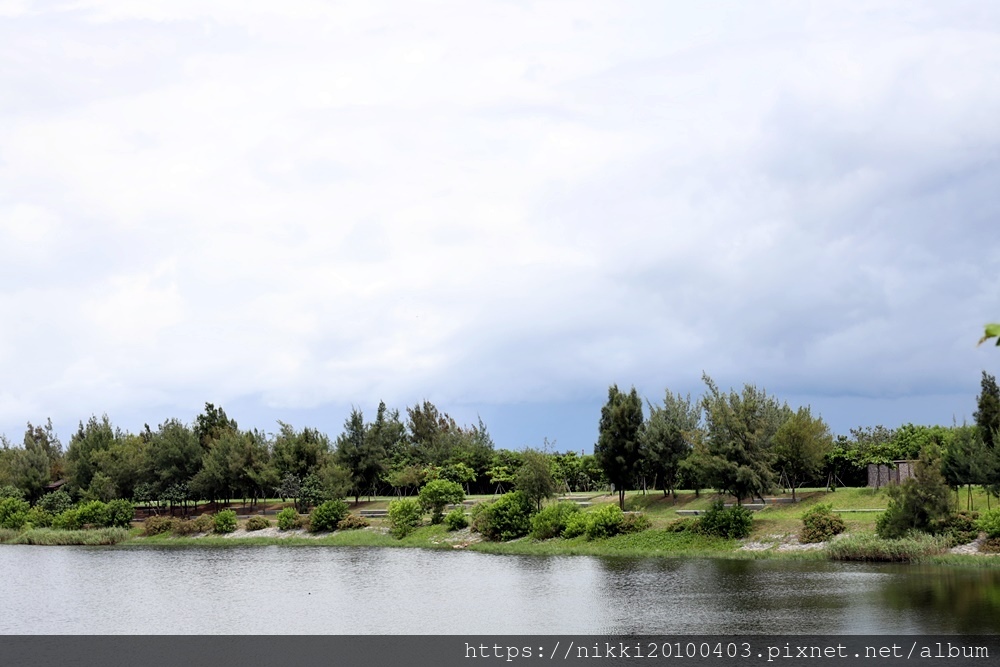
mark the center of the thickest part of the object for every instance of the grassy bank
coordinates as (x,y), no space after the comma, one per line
(775,531)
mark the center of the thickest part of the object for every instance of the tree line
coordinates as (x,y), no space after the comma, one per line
(747,443)
(743,443)
(213,459)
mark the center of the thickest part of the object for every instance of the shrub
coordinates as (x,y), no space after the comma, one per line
(185,527)
(257,523)
(120,513)
(733,522)
(288,518)
(476,516)
(506,518)
(56,502)
(225,521)
(959,527)
(13,513)
(353,522)
(990,545)
(95,514)
(551,521)
(11,491)
(156,525)
(404,516)
(635,522)
(436,494)
(605,521)
(456,519)
(921,503)
(68,520)
(989,522)
(576,525)
(682,525)
(820,524)
(327,515)
(204,523)
(38,518)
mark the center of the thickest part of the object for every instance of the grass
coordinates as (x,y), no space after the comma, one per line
(871,548)
(51,537)
(781,520)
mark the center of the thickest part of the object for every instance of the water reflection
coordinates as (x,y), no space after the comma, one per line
(319,590)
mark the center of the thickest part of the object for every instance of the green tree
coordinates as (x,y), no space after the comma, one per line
(801,445)
(667,437)
(534,477)
(740,430)
(45,439)
(360,455)
(922,502)
(965,461)
(175,456)
(126,463)
(438,493)
(618,444)
(987,414)
(299,453)
(211,424)
(81,457)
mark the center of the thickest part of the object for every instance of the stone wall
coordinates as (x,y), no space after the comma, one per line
(883,475)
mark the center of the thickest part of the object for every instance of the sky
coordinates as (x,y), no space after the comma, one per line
(502,207)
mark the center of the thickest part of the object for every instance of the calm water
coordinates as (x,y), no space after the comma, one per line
(306,590)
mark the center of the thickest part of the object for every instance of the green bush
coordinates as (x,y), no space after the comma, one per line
(959,527)
(404,516)
(551,521)
(353,522)
(67,520)
(120,513)
(225,521)
(820,524)
(94,514)
(327,516)
(576,525)
(257,523)
(456,519)
(438,493)
(682,525)
(605,521)
(204,523)
(506,518)
(921,503)
(38,518)
(13,513)
(989,522)
(288,518)
(184,527)
(732,522)
(11,491)
(156,525)
(476,516)
(635,522)
(56,502)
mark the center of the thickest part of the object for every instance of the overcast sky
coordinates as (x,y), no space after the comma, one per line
(289,208)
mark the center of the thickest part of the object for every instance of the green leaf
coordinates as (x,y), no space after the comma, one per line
(992,331)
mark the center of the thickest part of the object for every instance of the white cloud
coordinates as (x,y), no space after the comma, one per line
(491,202)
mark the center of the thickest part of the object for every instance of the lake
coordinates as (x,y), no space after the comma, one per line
(324,590)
